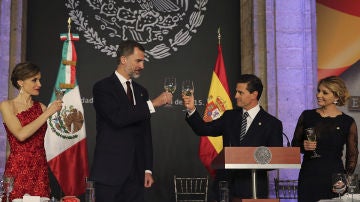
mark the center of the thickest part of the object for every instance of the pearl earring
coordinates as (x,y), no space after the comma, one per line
(335,102)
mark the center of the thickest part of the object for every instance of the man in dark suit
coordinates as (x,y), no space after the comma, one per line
(123,159)
(260,129)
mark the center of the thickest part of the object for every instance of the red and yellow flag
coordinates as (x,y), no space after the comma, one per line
(338,28)
(218,101)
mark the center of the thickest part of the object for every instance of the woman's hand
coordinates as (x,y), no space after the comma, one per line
(55,107)
(309,145)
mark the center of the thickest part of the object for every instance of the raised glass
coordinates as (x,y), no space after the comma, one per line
(187,87)
(312,136)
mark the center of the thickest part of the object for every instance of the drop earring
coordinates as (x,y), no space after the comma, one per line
(335,102)
(21,90)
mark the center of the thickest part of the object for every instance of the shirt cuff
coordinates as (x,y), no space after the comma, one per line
(148,171)
(151,106)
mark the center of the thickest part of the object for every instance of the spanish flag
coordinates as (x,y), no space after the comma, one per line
(338,28)
(218,101)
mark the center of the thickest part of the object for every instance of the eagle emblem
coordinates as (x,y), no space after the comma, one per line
(162,26)
(67,122)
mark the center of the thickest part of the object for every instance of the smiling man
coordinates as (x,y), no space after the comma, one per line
(248,126)
(123,156)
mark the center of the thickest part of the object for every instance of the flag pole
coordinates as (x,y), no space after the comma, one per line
(219,36)
(69,24)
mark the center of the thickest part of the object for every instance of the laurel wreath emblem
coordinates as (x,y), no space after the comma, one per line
(262,155)
(159,51)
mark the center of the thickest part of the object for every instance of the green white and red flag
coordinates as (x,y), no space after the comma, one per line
(65,140)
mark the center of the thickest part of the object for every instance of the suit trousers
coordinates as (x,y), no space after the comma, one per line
(130,191)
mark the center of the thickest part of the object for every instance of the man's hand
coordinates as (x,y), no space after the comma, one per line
(149,180)
(162,99)
(189,102)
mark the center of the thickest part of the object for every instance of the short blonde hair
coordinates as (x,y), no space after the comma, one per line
(337,87)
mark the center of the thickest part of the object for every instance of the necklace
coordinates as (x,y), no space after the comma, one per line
(323,113)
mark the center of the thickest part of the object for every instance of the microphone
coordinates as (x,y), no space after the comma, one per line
(287,139)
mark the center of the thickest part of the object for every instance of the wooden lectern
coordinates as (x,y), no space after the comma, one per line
(254,158)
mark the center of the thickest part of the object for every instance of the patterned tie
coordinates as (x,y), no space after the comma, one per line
(243,126)
(129,93)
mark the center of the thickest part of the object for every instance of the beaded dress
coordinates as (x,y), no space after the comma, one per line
(27,160)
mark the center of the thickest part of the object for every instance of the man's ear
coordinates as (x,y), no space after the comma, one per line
(123,59)
(255,94)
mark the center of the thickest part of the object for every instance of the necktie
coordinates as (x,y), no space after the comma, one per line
(243,126)
(129,93)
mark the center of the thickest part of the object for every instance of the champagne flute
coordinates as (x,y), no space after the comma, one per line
(339,183)
(352,181)
(311,136)
(8,183)
(59,94)
(187,87)
(170,85)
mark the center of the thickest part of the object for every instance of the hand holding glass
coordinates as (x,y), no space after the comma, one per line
(311,136)
(59,94)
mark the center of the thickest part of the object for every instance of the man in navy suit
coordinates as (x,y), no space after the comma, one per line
(123,158)
(261,129)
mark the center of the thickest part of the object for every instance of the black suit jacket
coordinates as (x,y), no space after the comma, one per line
(265,130)
(123,139)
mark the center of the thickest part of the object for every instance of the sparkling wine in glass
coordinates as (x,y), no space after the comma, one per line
(339,183)
(170,86)
(311,136)
(8,183)
(187,87)
(59,93)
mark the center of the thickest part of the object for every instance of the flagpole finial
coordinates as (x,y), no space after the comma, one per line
(69,24)
(219,36)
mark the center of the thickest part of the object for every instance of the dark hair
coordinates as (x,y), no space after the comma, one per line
(337,87)
(126,48)
(253,83)
(23,71)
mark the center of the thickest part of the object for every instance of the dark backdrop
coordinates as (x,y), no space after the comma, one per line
(175,145)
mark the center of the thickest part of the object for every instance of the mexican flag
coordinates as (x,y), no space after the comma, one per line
(65,140)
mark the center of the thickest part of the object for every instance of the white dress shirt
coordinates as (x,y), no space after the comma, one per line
(123,83)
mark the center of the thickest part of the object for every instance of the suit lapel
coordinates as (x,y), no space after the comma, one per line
(137,91)
(256,123)
(118,88)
